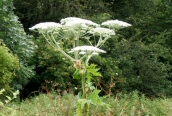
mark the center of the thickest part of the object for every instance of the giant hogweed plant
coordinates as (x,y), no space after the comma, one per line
(79,40)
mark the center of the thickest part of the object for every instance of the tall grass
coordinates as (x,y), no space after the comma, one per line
(121,105)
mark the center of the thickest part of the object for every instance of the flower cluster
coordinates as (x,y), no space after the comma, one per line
(74,21)
(115,24)
(46,26)
(85,49)
(102,31)
(78,23)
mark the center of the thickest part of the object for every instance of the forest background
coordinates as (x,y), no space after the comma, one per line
(138,58)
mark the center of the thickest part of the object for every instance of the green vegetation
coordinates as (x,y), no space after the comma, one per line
(137,58)
(9,65)
(15,38)
(122,105)
(5,101)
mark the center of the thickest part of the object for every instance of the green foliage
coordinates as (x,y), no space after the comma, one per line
(35,11)
(93,99)
(142,68)
(142,61)
(11,31)
(145,56)
(4,107)
(126,8)
(132,104)
(51,66)
(9,65)
(92,71)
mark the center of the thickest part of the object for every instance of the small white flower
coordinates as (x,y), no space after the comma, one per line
(95,53)
(116,24)
(87,48)
(73,21)
(82,52)
(102,31)
(46,25)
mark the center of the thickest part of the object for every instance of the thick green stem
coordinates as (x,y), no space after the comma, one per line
(64,53)
(83,87)
(84,76)
(86,110)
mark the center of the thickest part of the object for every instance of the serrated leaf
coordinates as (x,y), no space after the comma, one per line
(94,96)
(92,71)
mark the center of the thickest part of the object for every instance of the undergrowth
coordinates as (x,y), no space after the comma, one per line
(121,105)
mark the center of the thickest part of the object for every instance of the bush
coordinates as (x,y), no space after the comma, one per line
(13,35)
(9,65)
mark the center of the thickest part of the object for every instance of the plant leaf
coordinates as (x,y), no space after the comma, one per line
(92,71)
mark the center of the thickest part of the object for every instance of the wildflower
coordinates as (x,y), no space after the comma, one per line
(116,24)
(73,21)
(102,31)
(46,25)
(87,48)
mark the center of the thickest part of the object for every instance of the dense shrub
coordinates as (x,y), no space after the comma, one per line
(12,32)
(9,65)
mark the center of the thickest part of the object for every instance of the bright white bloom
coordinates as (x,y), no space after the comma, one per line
(116,24)
(87,48)
(73,21)
(82,52)
(68,19)
(95,53)
(75,24)
(46,25)
(102,31)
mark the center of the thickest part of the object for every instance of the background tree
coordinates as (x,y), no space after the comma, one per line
(34,11)
(140,59)
(11,31)
(9,65)
(151,32)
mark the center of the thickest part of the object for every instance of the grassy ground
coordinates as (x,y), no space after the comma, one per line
(121,105)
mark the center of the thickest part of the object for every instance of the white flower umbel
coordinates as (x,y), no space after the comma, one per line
(87,48)
(46,26)
(115,24)
(74,21)
(102,31)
